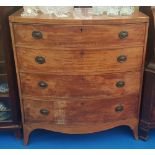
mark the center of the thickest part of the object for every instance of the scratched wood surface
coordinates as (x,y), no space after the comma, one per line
(68,111)
(79,86)
(80,69)
(79,36)
(79,62)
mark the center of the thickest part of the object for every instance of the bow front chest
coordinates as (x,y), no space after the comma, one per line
(79,76)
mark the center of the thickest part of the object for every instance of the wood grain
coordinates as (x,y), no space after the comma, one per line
(80,128)
(81,70)
(79,86)
(70,111)
(79,62)
(79,36)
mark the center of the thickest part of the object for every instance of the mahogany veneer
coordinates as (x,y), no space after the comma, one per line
(79,75)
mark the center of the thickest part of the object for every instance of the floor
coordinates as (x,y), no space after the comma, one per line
(120,137)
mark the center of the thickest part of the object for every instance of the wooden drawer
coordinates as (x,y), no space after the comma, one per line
(48,86)
(69,111)
(58,36)
(77,62)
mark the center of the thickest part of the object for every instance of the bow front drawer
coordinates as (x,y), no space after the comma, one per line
(58,36)
(79,62)
(72,111)
(108,85)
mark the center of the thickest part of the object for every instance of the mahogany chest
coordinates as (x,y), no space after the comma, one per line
(79,76)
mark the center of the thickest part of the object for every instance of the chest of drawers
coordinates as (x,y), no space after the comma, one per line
(79,76)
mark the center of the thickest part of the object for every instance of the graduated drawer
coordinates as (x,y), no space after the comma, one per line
(77,62)
(46,86)
(36,35)
(70,111)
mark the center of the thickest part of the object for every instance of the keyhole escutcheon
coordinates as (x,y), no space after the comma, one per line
(81,29)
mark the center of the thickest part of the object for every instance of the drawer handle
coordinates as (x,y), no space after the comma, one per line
(120,84)
(43,84)
(123,34)
(44,111)
(37,35)
(40,59)
(119,108)
(122,58)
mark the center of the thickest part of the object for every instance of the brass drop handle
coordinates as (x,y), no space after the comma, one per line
(121,58)
(44,111)
(43,84)
(123,34)
(119,108)
(40,59)
(37,35)
(120,84)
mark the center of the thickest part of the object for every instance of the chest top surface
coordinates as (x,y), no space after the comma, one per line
(137,17)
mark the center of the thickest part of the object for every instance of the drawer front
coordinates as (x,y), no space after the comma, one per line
(79,36)
(107,85)
(72,111)
(73,62)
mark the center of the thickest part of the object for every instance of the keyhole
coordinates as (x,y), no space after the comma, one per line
(82,53)
(82,103)
(81,29)
(82,78)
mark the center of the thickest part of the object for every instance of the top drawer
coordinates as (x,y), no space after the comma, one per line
(57,36)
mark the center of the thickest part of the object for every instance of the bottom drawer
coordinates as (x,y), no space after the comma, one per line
(70,111)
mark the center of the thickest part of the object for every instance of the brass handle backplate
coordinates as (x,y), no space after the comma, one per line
(43,84)
(120,84)
(37,35)
(123,34)
(119,108)
(122,58)
(40,59)
(44,111)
